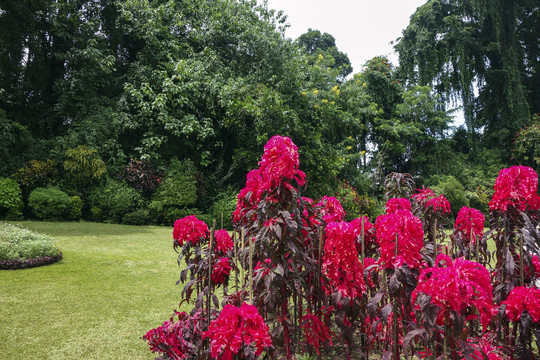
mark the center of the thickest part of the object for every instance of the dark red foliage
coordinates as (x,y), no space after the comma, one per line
(236,328)
(141,175)
(171,337)
(483,346)
(516,187)
(523,299)
(189,229)
(469,220)
(408,230)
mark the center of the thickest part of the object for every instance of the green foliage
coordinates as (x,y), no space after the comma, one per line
(225,204)
(75,208)
(115,200)
(454,192)
(37,173)
(19,244)
(314,43)
(177,191)
(526,149)
(96,214)
(84,166)
(49,203)
(15,142)
(11,203)
(137,217)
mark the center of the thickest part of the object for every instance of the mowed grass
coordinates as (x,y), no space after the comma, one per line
(114,283)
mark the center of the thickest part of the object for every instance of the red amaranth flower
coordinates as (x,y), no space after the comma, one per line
(515,187)
(189,229)
(423,195)
(408,229)
(169,337)
(439,203)
(280,162)
(369,231)
(235,328)
(523,299)
(470,220)
(340,261)
(368,261)
(265,267)
(315,331)
(456,286)
(483,346)
(396,204)
(224,241)
(221,270)
(249,196)
(331,210)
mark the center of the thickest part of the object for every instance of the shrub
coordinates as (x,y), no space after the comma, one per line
(49,203)
(225,204)
(137,217)
(115,200)
(11,203)
(96,214)
(75,209)
(355,205)
(141,175)
(20,244)
(37,173)
(454,193)
(84,166)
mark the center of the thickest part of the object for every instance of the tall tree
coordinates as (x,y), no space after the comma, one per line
(464,47)
(316,43)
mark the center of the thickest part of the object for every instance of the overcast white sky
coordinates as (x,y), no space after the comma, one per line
(363,29)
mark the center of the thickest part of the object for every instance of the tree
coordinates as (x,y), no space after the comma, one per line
(484,46)
(314,43)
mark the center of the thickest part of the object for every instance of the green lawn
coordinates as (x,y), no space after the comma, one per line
(114,283)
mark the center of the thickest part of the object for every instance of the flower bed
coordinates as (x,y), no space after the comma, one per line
(298,279)
(22,248)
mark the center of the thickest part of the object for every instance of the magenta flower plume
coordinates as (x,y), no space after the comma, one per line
(483,346)
(523,299)
(456,286)
(439,204)
(340,261)
(189,229)
(470,220)
(224,241)
(249,196)
(169,338)
(331,210)
(424,194)
(369,231)
(280,162)
(515,187)
(396,204)
(221,270)
(410,234)
(235,328)
(315,331)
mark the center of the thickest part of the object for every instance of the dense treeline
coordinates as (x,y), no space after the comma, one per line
(145,110)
